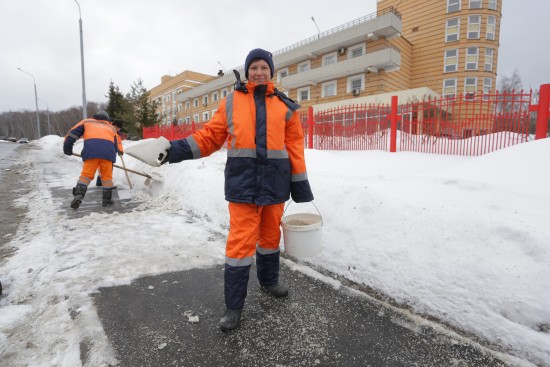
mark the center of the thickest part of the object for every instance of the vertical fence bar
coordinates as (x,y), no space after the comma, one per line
(542,112)
(310,127)
(393,126)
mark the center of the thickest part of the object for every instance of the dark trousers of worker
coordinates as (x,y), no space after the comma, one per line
(253,230)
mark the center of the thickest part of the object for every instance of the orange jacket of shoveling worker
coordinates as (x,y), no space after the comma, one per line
(265,167)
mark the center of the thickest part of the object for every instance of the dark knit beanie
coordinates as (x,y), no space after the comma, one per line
(118,123)
(256,54)
(102,115)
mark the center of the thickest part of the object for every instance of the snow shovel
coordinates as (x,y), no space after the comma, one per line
(150,152)
(149,177)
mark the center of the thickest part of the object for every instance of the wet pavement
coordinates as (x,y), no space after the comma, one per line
(12,185)
(148,322)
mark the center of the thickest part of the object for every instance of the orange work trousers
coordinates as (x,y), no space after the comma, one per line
(90,167)
(251,225)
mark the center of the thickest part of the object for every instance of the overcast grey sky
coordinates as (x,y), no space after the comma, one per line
(129,39)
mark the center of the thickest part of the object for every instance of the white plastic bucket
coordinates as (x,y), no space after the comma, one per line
(302,234)
(149,151)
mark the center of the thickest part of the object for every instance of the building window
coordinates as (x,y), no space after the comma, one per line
(356,51)
(283,73)
(449,88)
(475,4)
(179,107)
(225,92)
(487,87)
(355,83)
(330,59)
(196,117)
(451,61)
(453,5)
(472,58)
(303,66)
(187,105)
(470,85)
(205,100)
(492,4)
(196,102)
(167,98)
(205,116)
(187,120)
(488,64)
(303,94)
(491,26)
(474,23)
(452,30)
(328,89)
(214,96)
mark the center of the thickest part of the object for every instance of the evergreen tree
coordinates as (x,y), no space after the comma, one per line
(117,106)
(143,110)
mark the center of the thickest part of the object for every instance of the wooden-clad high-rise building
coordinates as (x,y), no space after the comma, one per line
(411,48)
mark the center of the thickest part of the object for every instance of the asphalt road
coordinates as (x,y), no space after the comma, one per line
(148,321)
(11,187)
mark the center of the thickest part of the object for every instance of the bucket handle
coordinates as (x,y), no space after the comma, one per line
(287,205)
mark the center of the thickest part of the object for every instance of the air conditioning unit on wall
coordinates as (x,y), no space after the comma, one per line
(341,51)
(355,91)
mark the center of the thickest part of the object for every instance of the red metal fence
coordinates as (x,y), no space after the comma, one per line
(472,124)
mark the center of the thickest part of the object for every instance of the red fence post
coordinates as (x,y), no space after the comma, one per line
(310,127)
(393,125)
(543,112)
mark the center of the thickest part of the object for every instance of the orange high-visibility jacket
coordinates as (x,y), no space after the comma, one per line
(265,146)
(101,139)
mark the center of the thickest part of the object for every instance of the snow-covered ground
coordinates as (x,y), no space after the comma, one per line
(464,239)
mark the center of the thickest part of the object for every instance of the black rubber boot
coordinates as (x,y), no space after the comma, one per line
(230,320)
(107,195)
(267,270)
(78,192)
(276,290)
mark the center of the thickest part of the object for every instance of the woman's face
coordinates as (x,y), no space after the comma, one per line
(259,72)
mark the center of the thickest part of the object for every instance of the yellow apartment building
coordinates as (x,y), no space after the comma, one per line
(408,48)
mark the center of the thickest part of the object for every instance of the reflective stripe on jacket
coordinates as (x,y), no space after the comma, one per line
(265,156)
(100,139)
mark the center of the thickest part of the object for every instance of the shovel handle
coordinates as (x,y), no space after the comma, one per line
(124,168)
(126,172)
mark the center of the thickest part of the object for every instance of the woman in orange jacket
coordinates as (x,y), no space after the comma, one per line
(265,167)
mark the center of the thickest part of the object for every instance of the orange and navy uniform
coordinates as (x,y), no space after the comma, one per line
(101,145)
(265,167)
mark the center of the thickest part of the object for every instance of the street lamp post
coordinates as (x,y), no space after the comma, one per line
(48,111)
(318,30)
(35,101)
(84,107)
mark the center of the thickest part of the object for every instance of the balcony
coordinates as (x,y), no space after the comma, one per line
(387,58)
(385,24)
(382,25)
